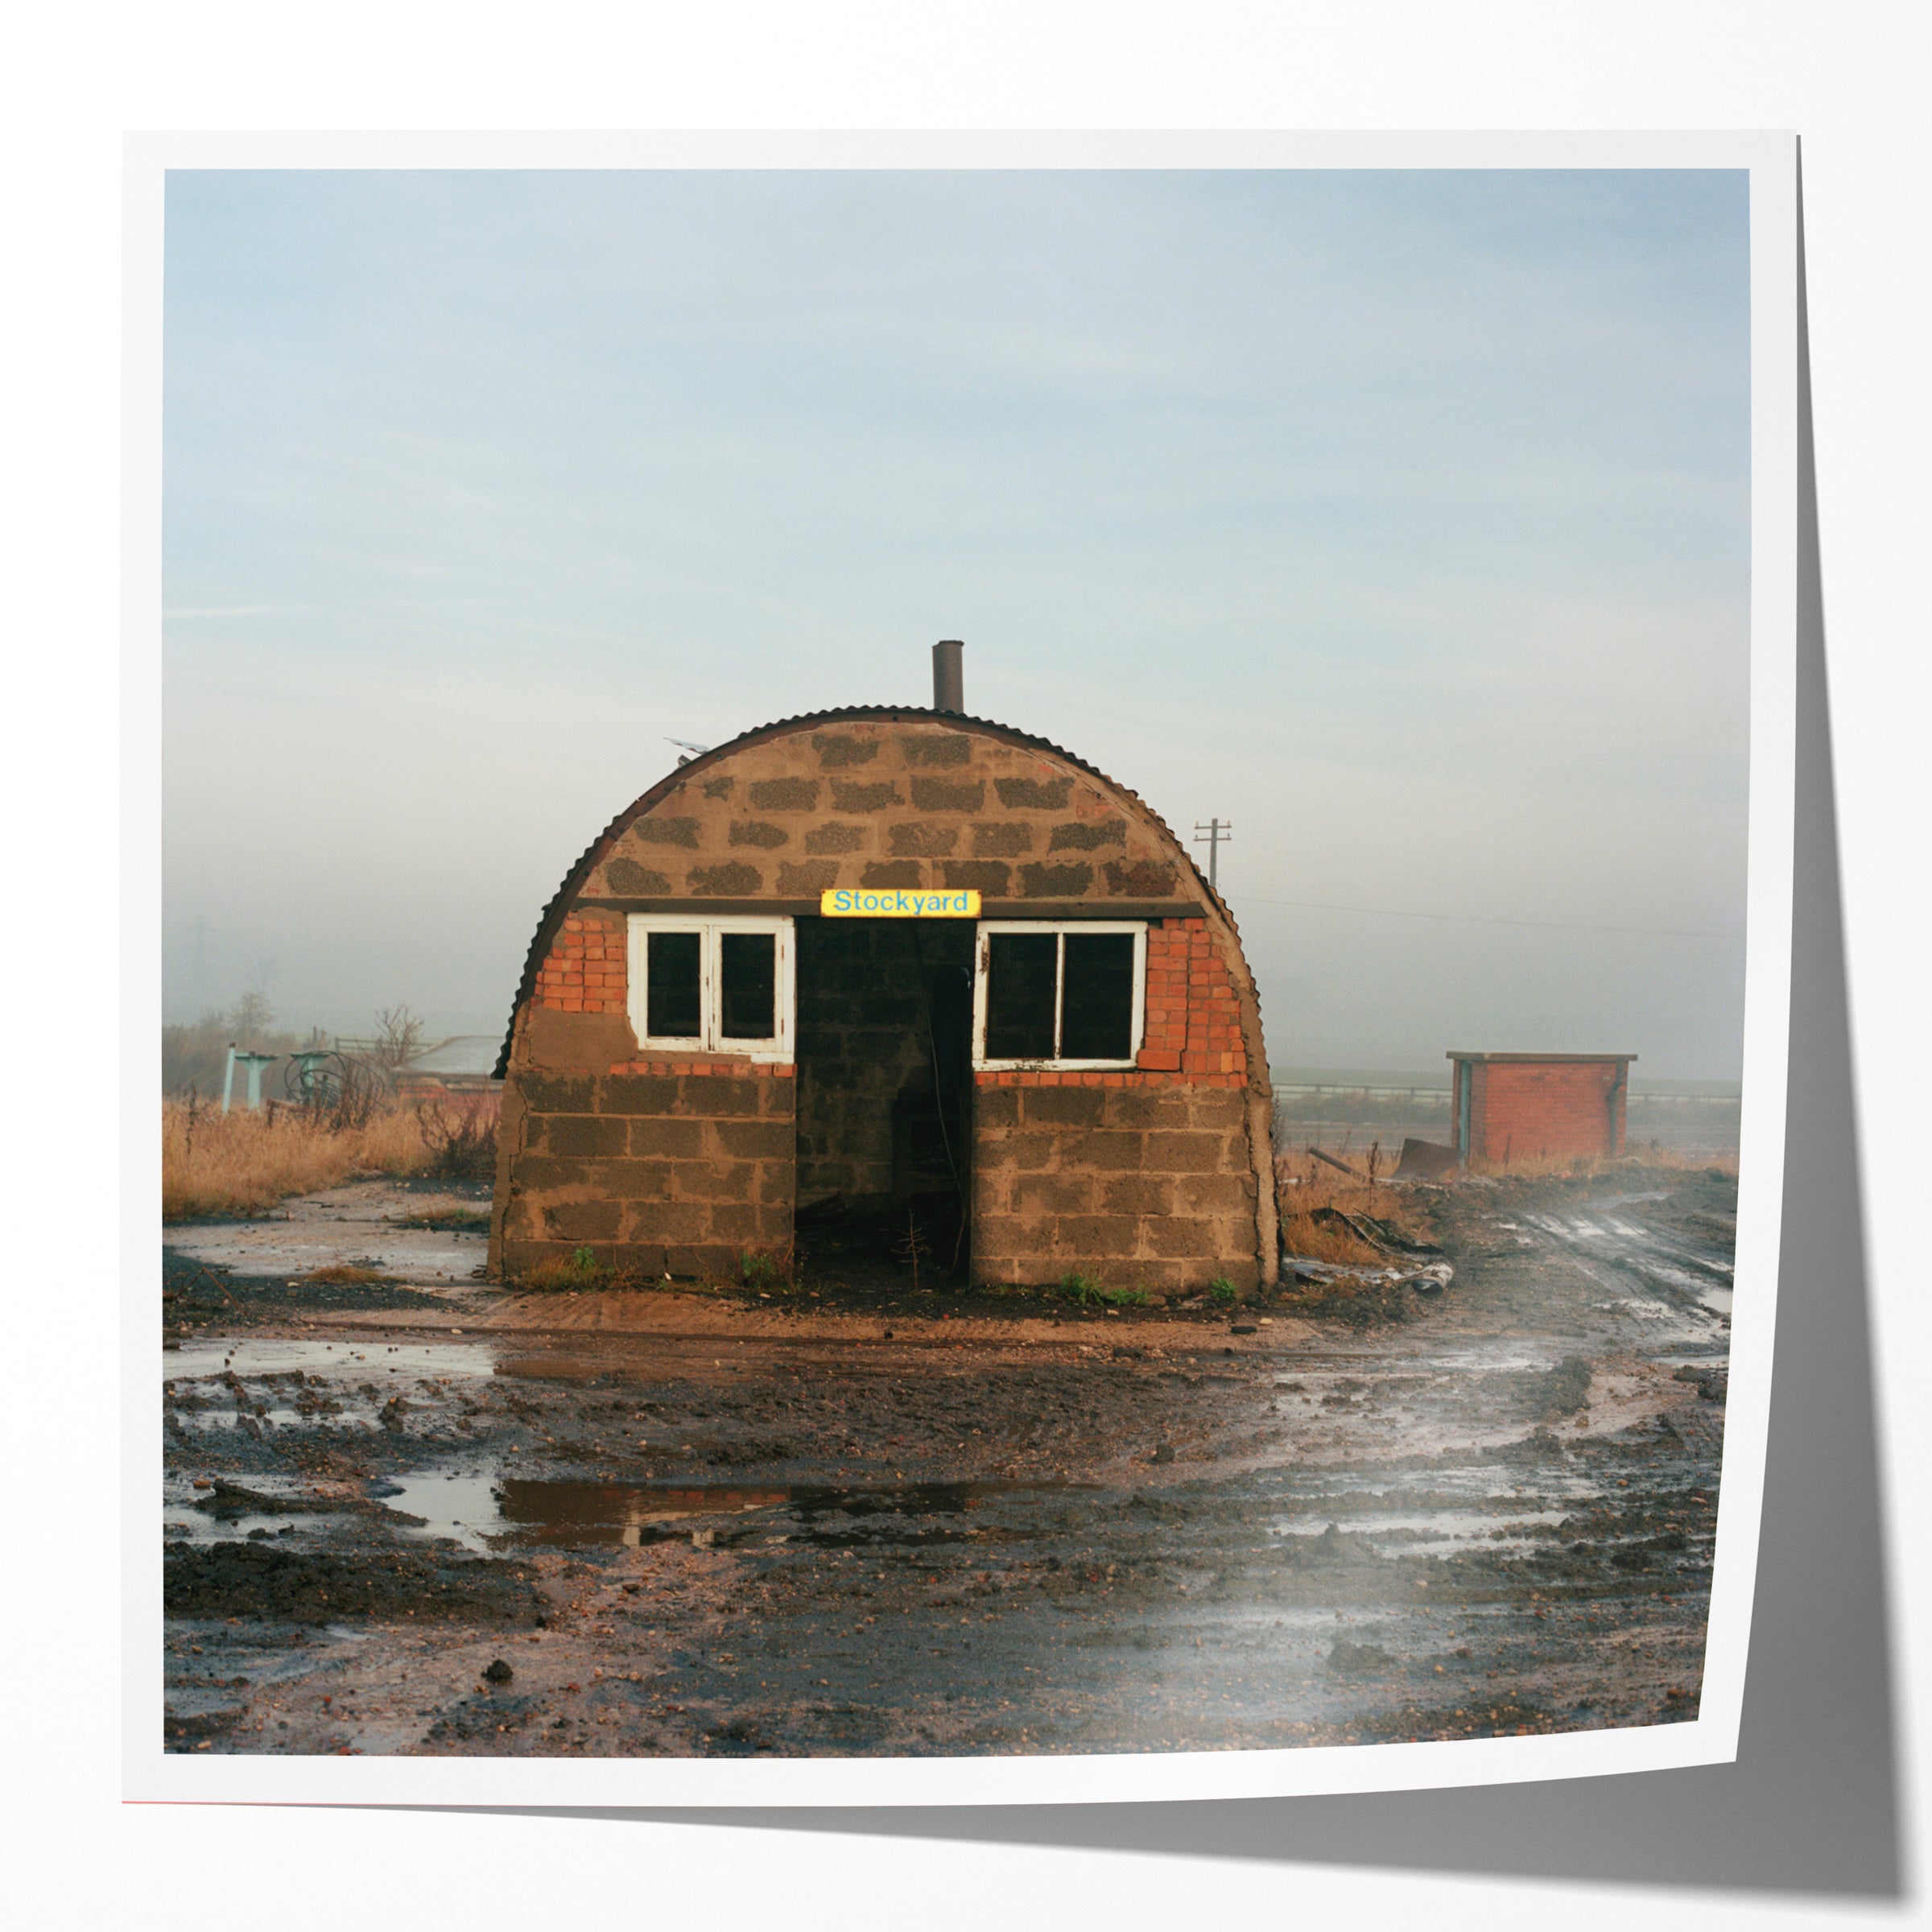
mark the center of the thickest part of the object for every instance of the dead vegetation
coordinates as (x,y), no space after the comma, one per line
(459,1139)
(1385,1229)
(580,1272)
(1645,1155)
(1315,1198)
(1314,1192)
(243,1163)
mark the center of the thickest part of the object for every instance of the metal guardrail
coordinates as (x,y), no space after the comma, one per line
(1353,1091)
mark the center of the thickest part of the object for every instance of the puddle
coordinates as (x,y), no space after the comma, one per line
(247,1358)
(1503,1356)
(485,1513)
(1472,1485)
(184,1525)
(186,1514)
(1430,1532)
(1701,1279)
(205,1422)
(357,1222)
(261,1364)
(562,1366)
(263,1369)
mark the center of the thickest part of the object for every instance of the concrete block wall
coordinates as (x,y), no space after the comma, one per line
(876,804)
(861,1042)
(1148,1186)
(680,1172)
(881,800)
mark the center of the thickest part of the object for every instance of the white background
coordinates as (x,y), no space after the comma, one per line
(1850,80)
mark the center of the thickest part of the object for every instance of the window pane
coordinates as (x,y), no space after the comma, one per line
(671,986)
(1019,995)
(1096,1014)
(749,968)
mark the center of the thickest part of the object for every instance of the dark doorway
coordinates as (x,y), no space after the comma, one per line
(884,1069)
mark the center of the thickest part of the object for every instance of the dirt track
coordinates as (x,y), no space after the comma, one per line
(690,1525)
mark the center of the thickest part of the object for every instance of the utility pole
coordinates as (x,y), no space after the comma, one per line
(1213,835)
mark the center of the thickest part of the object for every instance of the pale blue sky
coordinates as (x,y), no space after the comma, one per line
(1400,518)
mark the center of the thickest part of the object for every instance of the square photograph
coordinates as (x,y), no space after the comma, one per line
(954,964)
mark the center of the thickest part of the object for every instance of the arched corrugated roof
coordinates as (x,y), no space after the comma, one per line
(888,714)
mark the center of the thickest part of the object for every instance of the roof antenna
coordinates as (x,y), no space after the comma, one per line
(948,676)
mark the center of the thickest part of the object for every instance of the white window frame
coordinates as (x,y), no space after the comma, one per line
(982,957)
(776,1051)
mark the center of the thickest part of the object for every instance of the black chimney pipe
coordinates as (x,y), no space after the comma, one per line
(948,676)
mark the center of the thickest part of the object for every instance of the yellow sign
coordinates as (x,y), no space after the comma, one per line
(853,903)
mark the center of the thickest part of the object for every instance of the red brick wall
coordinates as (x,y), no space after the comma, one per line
(1531,1110)
(1192,1027)
(1194,1020)
(588,966)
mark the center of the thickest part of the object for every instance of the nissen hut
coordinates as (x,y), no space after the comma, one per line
(866,956)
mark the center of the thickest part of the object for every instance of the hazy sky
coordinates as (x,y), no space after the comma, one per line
(1401,519)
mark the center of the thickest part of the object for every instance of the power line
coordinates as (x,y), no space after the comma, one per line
(1479,918)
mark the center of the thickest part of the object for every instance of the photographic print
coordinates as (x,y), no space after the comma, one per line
(971,963)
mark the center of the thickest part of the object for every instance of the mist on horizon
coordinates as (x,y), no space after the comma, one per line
(1401,519)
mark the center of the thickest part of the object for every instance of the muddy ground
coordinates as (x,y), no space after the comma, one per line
(418,1514)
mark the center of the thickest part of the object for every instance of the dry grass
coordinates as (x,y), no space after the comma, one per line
(1645,1156)
(1303,1187)
(243,1162)
(580,1271)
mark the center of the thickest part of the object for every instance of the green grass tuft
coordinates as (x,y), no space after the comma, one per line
(582,1270)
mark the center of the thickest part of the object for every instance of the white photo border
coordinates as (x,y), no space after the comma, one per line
(151,1774)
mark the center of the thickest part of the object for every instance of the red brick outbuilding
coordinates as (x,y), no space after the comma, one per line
(1538,1106)
(698,1055)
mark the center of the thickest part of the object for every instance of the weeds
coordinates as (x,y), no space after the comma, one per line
(913,1249)
(1308,1231)
(1221,1290)
(1637,1157)
(1305,1186)
(763,1274)
(343,1273)
(582,1270)
(449,1220)
(460,1142)
(1086,1289)
(243,1163)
